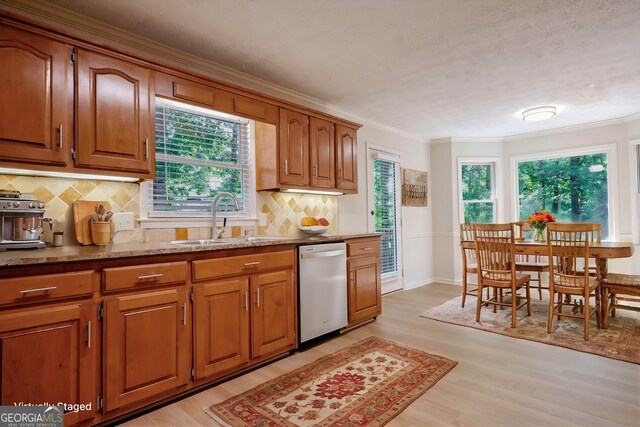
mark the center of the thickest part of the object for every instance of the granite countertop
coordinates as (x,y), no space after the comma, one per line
(114,251)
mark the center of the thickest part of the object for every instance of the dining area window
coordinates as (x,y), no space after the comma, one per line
(573,187)
(477,185)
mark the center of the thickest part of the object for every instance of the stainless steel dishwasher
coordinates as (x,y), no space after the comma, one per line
(322,288)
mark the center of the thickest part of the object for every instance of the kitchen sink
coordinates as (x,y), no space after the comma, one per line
(197,242)
(202,242)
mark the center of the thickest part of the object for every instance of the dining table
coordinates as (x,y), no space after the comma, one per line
(600,251)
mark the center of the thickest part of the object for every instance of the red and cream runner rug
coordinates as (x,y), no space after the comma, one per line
(365,384)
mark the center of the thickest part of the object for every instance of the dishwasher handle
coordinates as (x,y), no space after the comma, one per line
(325,254)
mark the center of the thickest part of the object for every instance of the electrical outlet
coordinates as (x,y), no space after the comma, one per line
(123,221)
(262,219)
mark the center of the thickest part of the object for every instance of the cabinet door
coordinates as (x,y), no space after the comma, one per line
(346,159)
(272,313)
(49,355)
(294,148)
(322,153)
(114,115)
(146,348)
(365,291)
(35,103)
(221,326)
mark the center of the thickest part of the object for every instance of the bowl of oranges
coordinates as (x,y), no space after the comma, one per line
(311,225)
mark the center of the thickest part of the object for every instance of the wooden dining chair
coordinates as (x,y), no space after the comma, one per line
(531,263)
(469,263)
(495,252)
(614,285)
(595,236)
(568,247)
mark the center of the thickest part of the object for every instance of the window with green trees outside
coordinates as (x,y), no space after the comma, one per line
(477,181)
(572,188)
(199,153)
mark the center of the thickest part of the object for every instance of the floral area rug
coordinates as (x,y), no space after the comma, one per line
(621,341)
(365,384)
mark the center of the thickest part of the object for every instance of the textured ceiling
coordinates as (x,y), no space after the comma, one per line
(434,68)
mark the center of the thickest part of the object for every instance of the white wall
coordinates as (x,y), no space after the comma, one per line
(353,210)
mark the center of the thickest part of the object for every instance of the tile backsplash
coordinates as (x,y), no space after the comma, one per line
(58,194)
(283,210)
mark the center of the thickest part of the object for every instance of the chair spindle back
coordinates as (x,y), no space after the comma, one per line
(495,251)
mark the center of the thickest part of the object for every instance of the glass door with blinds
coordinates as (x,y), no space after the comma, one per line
(384,207)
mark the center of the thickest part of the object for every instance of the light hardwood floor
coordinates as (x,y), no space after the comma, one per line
(498,381)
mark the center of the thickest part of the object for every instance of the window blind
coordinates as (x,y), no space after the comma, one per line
(199,154)
(385,200)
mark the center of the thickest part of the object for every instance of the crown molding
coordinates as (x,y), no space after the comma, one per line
(479,139)
(632,117)
(93,29)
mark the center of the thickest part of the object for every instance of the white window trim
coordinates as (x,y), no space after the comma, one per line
(496,181)
(177,220)
(611,150)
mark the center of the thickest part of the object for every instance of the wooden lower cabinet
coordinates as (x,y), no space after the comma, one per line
(364,289)
(221,326)
(146,346)
(242,319)
(49,355)
(272,313)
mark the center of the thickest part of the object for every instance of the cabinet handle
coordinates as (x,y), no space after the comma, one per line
(60,137)
(367,248)
(246,301)
(252,264)
(150,276)
(315,170)
(258,297)
(286,167)
(89,334)
(339,173)
(184,314)
(28,291)
(146,148)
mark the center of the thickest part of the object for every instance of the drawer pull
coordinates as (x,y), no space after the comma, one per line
(184,314)
(89,334)
(252,264)
(150,276)
(368,248)
(29,291)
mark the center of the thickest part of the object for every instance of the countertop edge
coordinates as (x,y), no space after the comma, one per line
(50,255)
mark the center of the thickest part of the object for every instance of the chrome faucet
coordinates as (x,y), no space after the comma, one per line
(215,235)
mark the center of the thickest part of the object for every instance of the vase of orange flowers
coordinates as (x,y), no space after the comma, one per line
(538,222)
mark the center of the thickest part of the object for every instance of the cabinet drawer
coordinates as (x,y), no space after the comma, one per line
(142,276)
(41,288)
(212,268)
(365,247)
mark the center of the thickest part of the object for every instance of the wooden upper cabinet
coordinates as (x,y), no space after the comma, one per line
(322,153)
(114,115)
(50,355)
(36,105)
(346,159)
(294,148)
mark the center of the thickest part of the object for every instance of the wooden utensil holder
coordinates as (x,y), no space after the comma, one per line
(101,233)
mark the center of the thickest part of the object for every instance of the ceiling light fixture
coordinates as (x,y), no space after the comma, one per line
(539,113)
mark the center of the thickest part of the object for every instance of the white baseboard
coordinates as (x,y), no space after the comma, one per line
(443,280)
